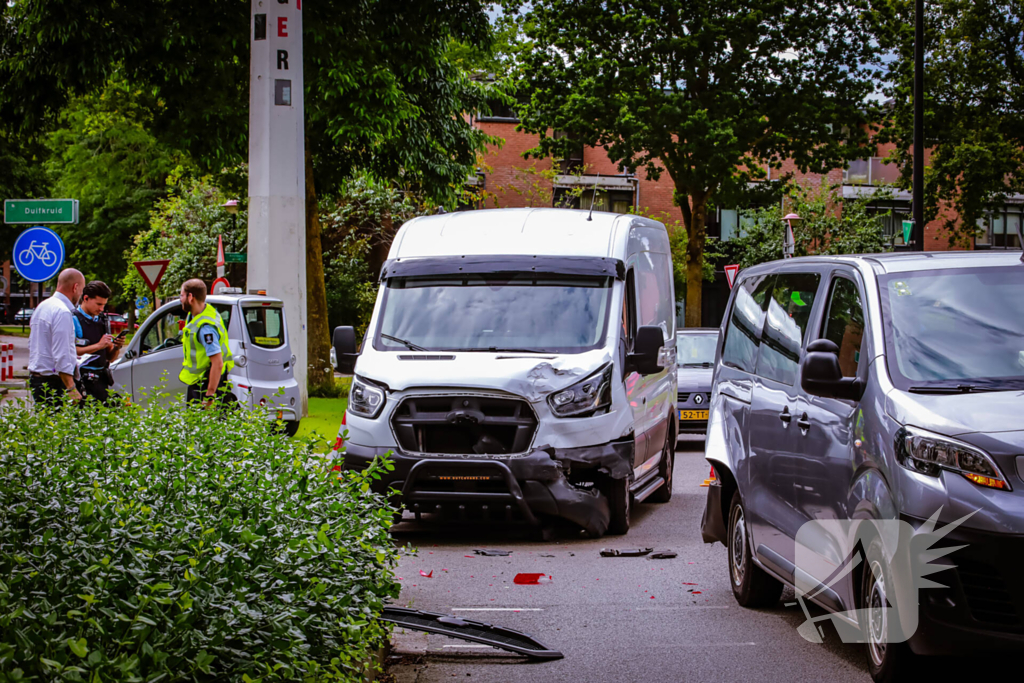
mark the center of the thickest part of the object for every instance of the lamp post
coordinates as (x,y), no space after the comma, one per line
(917,232)
(789,241)
(231,206)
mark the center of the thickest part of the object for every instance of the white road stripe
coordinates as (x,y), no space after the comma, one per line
(497,609)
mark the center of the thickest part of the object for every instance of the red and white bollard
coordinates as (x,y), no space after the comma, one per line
(6,362)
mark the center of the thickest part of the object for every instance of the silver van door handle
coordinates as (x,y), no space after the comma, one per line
(803,423)
(785,417)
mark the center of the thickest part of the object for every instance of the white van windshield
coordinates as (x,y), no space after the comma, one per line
(522,312)
(960,329)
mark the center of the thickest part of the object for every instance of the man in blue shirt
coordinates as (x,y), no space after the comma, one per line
(92,338)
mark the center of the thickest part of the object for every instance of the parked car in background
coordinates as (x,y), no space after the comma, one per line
(520,363)
(118,322)
(695,358)
(6,313)
(258,337)
(23,316)
(879,392)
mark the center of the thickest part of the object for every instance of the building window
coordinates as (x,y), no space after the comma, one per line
(999,230)
(614,201)
(501,112)
(872,171)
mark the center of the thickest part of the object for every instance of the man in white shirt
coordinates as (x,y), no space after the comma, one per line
(52,359)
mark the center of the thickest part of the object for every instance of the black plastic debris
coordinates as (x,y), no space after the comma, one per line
(545,555)
(625,552)
(474,631)
(492,553)
(662,555)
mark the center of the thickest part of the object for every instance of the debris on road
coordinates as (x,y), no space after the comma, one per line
(474,631)
(426,575)
(491,553)
(532,579)
(662,555)
(625,552)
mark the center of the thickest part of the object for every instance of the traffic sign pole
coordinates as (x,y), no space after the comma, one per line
(152,273)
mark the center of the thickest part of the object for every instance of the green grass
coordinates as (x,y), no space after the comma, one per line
(324,418)
(14,331)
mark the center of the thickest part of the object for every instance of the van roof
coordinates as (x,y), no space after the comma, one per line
(528,232)
(904,262)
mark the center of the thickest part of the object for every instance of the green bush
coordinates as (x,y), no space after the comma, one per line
(171,544)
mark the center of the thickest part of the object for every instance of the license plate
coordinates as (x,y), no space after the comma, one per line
(693,414)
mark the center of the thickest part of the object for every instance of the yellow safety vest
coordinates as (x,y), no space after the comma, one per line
(196,362)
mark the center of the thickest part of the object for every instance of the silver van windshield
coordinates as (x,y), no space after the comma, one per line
(509,312)
(958,327)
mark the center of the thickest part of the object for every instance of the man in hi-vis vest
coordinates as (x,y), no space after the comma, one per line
(205,343)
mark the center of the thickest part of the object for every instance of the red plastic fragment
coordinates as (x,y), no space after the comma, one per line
(531,579)
(426,575)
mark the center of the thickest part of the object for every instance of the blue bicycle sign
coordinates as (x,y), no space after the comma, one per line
(38,254)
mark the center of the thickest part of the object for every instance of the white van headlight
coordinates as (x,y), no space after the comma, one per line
(928,453)
(585,397)
(365,399)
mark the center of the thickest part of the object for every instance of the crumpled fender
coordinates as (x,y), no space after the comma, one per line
(614,459)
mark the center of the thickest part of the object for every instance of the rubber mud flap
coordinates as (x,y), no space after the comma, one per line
(712,525)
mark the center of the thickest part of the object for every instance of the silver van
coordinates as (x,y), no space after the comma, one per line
(262,378)
(520,363)
(887,390)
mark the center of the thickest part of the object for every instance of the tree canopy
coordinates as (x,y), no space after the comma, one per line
(709,92)
(974,103)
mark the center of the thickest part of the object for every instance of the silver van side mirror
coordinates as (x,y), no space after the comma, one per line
(346,349)
(649,341)
(820,374)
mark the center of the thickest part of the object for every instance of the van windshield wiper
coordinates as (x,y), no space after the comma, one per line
(408,344)
(697,365)
(495,349)
(957,389)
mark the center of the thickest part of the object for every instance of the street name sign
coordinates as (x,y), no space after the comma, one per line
(152,272)
(41,211)
(38,254)
(234,257)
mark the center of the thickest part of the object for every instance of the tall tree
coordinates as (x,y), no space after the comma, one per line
(708,91)
(381,92)
(974,103)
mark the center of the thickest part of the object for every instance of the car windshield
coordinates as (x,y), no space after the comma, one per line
(963,328)
(696,350)
(522,312)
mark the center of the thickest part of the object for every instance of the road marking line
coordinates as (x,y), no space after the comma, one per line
(497,609)
(488,647)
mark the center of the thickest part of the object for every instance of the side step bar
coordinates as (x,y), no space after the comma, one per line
(646,491)
(474,631)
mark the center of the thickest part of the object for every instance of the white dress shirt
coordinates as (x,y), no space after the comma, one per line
(51,341)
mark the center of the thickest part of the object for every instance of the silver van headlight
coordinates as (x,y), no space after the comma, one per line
(365,399)
(585,397)
(928,453)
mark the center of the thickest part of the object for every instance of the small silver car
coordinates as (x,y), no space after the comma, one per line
(883,389)
(262,378)
(695,354)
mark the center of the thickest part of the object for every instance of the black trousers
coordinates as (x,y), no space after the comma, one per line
(94,384)
(222,395)
(47,390)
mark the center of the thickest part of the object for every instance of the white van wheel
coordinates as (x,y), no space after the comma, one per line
(620,500)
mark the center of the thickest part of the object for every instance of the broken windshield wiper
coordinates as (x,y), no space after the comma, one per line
(408,344)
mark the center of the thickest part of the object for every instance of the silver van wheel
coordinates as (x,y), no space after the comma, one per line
(877,617)
(738,547)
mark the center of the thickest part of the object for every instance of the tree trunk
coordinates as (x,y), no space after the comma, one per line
(695,219)
(318,346)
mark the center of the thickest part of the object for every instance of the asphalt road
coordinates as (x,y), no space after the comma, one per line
(614,619)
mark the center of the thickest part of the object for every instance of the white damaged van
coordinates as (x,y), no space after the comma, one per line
(520,364)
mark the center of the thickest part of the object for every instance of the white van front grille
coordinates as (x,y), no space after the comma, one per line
(463,425)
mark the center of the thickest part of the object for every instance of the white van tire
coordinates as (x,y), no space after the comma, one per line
(620,501)
(751,585)
(665,467)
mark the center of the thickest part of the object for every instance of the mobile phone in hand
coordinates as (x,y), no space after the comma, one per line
(121,334)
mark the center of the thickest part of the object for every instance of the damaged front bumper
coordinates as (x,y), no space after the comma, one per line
(565,483)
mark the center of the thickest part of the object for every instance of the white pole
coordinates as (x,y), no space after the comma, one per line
(277,178)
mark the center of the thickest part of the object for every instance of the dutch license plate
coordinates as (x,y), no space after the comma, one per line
(693,414)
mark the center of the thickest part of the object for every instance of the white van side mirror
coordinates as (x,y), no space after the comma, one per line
(649,341)
(346,349)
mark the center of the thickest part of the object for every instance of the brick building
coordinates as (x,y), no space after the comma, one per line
(509,180)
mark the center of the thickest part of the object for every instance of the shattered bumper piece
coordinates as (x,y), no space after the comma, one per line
(553,482)
(473,631)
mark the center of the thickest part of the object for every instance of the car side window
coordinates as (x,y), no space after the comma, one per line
(844,324)
(164,333)
(789,312)
(743,333)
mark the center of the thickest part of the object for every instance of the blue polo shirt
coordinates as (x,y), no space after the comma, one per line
(79,334)
(209,337)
